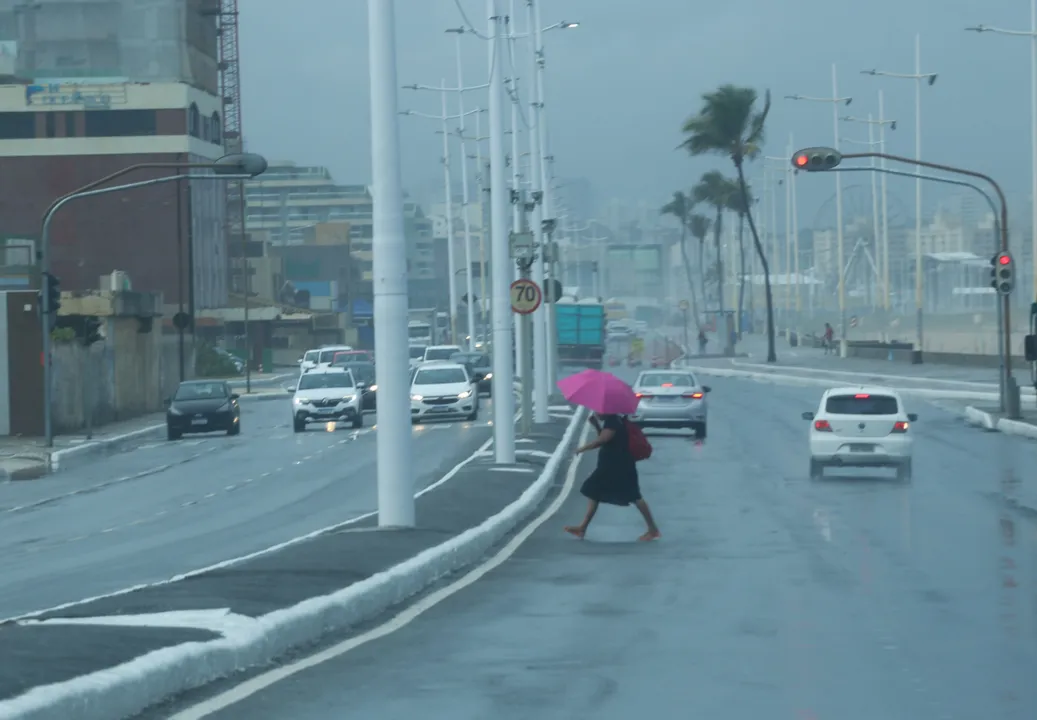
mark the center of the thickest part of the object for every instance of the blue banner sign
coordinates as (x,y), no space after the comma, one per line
(63,94)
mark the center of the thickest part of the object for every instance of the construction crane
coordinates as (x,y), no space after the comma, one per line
(226,13)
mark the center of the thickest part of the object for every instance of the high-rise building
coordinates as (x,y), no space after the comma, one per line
(89,88)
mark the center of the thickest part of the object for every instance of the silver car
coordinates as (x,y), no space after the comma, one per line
(671,399)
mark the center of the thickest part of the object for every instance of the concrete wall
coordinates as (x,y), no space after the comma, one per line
(127,375)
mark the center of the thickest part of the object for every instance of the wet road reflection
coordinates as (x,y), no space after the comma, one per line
(856,597)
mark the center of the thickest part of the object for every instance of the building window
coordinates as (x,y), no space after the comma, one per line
(217,130)
(70,124)
(51,121)
(17,125)
(194,122)
(121,123)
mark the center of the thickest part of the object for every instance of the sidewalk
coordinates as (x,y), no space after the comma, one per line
(28,458)
(117,656)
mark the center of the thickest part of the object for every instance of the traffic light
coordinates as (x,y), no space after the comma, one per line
(816,159)
(52,287)
(1002,273)
(91,331)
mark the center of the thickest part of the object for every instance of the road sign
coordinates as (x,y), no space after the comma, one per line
(525,296)
(684,305)
(853,321)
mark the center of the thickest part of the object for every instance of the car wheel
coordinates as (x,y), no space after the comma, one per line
(172,434)
(300,426)
(475,414)
(700,430)
(358,421)
(817,470)
(904,471)
(234,429)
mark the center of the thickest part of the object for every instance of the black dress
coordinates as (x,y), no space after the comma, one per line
(614,481)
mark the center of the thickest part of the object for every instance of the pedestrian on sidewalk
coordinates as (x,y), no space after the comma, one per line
(829,339)
(703,341)
(614,480)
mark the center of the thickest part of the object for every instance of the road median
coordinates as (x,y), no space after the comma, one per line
(116,657)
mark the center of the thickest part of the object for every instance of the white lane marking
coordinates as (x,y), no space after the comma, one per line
(511,469)
(866,373)
(264,680)
(251,556)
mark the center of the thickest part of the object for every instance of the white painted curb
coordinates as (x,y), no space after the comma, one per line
(129,689)
(70,457)
(797,380)
(988,421)
(979,418)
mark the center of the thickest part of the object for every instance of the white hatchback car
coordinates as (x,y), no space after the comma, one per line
(861,427)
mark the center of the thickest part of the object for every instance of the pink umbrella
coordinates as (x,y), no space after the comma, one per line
(599,391)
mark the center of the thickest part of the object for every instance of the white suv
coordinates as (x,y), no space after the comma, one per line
(326,395)
(440,352)
(443,390)
(860,427)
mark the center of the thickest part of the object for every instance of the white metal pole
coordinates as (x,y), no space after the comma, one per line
(469,285)
(795,239)
(885,202)
(775,233)
(483,228)
(500,260)
(787,286)
(918,192)
(449,205)
(1033,137)
(540,376)
(839,215)
(545,185)
(875,208)
(395,479)
(516,172)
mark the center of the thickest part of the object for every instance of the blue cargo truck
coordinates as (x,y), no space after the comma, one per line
(580,328)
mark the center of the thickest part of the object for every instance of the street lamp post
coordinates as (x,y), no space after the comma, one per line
(540,392)
(470,304)
(918,76)
(500,251)
(239,166)
(835,100)
(395,472)
(1032,34)
(443,118)
(795,241)
(882,122)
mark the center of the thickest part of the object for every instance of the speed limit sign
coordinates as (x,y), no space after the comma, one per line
(525,296)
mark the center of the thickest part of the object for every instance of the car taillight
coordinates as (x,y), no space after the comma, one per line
(693,396)
(822,426)
(644,395)
(900,427)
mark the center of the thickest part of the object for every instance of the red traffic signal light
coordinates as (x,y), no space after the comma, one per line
(801,160)
(1004,259)
(816,159)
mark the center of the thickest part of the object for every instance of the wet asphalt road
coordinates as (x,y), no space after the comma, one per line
(172,507)
(769,596)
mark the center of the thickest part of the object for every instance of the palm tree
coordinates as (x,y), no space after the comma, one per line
(738,208)
(680,207)
(729,124)
(698,226)
(715,190)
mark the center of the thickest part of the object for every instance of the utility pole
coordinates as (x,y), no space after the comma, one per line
(524,252)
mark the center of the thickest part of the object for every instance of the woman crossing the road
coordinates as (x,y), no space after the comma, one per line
(614,480)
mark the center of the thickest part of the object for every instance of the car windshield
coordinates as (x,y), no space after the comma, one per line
(347,355)
(440,376)
(313,381)
(364,372)
(417,352)
(474,359)
(667,380)
(201,391)
(861,404)
(444,353)
(311,356)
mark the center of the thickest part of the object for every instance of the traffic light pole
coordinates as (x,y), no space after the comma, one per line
(44,256)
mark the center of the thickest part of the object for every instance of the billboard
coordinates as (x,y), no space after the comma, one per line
(635,271)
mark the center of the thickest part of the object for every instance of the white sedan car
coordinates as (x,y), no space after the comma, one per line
(860,427)
(441,390)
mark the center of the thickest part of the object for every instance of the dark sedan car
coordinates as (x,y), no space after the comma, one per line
(477,363)
(363,372)
(202,406)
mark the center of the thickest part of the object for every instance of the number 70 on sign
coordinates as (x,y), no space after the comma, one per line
(526,296)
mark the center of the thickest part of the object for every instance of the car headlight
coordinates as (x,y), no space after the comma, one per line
(299,401)
(174,411)
(417,398)
(466,393)
(373,388)
(348,398)
(488,376)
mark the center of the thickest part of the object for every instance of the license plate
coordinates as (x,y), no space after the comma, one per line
(666,398)
(857,447)
(326,411)
(199,421)
(439,410)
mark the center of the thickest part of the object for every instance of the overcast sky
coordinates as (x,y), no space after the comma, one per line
(619,87)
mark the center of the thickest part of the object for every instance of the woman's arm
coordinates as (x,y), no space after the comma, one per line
(603,437)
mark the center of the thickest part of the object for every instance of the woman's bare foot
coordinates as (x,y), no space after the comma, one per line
(650,535)
(577,531)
